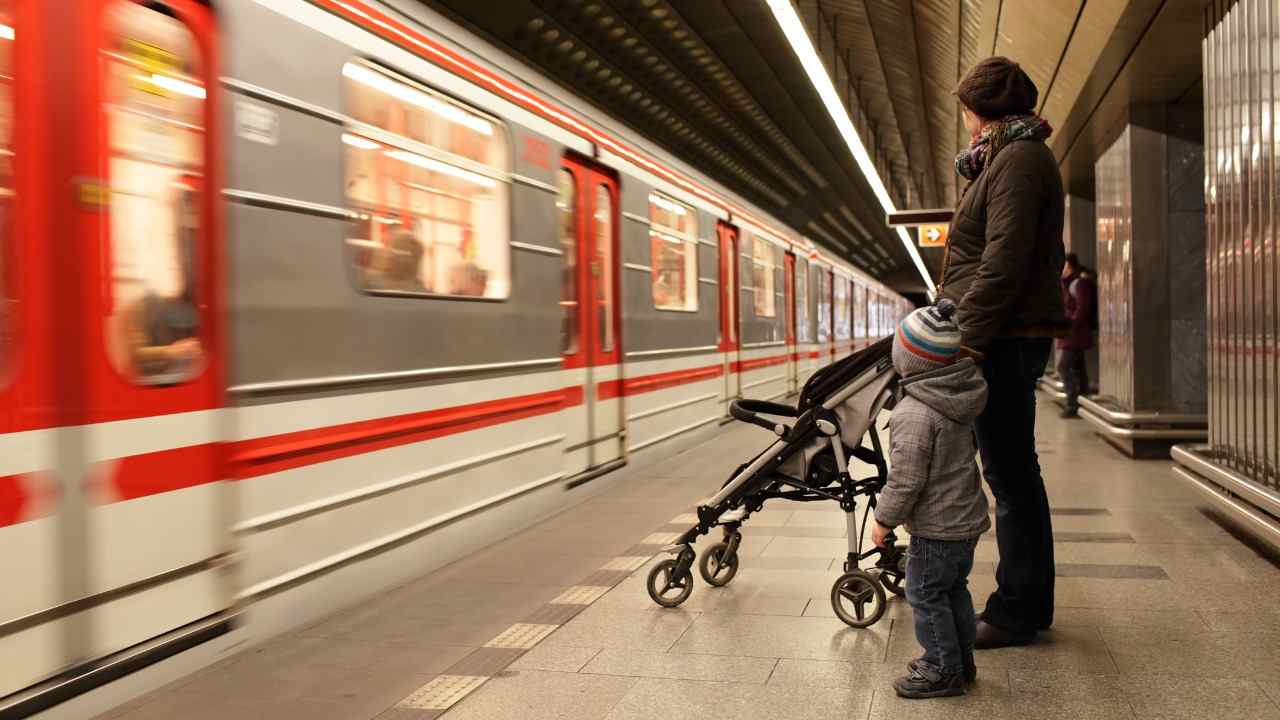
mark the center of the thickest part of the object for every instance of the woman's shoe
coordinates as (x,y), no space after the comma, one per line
(989,636)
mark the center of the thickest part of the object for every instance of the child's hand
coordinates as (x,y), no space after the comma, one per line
(879,533)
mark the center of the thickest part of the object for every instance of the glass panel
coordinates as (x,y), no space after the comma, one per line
(421,115)
(842,307)
(762,277)
(425,222)
(824,305)
(729,258)
(154,101)
(859,311)
(567,214)
(8,193)
(673,244)
(802,301)
(604,266)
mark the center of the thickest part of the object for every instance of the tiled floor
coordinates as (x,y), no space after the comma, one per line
(1161,614)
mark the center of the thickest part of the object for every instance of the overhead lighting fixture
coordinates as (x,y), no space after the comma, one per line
(182,87)
(793,28)
(401,91)
(427,163)
(6,32)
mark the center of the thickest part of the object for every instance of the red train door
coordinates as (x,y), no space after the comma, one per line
(31,505)
(593,343)
(149,323)
(730,342)
(789,297)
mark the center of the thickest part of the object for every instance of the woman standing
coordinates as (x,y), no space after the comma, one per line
(1003,261)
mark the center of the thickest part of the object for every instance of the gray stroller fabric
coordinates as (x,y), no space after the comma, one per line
(856,415)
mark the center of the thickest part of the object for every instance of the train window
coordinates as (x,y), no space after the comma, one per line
(8,192)
(154,101)
(859,311)
(802,300)
(604,267)
(673,242)
(762,264)
(824,305)
(841,295)
(567,217)
(426,179)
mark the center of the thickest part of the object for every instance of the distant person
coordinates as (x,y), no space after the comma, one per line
(403,268)
(161,331)
(468,279)
(1002,267)
(935,489)
(1079,298)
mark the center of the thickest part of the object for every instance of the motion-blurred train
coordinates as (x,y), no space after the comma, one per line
(302,298)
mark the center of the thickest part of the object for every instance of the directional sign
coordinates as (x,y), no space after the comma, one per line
(932,235)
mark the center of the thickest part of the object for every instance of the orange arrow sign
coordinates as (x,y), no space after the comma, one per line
(932,235)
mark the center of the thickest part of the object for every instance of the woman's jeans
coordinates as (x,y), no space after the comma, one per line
(1023,600)
(938,590)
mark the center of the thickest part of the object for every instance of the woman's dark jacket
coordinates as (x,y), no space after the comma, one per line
(1004,249)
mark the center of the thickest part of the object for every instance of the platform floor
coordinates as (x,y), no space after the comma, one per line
(1162,613)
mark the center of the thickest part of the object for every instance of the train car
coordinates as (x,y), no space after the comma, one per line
(333,302)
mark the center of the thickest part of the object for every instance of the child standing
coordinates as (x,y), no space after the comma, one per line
(935,489)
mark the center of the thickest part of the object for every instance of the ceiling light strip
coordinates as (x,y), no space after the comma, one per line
(793,28)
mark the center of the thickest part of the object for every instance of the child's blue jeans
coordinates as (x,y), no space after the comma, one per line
(938,590)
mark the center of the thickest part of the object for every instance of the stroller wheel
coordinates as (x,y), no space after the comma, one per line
(858,599)
(667,586)
(718,566)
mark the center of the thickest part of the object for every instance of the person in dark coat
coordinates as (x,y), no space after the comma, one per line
(1078,299)
(1002,267)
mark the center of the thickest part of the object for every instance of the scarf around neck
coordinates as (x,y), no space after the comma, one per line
(995,136)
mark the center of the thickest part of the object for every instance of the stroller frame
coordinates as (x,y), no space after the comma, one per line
(858,596)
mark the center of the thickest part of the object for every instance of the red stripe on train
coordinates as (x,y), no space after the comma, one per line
(657,381)
(262,456)
(163,471)
(744,365)
(14,499)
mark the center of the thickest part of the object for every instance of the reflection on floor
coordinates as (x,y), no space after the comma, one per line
(1161,614)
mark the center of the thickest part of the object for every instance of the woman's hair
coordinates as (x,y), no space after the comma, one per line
(996,88)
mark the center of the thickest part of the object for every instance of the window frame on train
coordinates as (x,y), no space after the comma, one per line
(763,269)
(801,288)
(358,135)
(664,235)
(842,316)
(159,337)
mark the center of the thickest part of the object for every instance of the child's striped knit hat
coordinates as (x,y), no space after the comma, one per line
(927,339)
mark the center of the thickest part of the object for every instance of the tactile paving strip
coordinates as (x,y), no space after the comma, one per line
(581,595)
(521,636)
(442,692)
(660,539)
(626,563)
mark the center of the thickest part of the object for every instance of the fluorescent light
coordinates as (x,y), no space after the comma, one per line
(401,91)
(793,28)
(6,32)
(359,142)
(178,86)
(427,163)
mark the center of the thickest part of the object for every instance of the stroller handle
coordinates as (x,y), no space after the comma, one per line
(745,410)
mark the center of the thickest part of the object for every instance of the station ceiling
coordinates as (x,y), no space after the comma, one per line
(716,83)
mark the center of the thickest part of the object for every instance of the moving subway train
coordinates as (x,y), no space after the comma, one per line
(298,300)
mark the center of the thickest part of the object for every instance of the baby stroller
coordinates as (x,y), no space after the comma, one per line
(808,463)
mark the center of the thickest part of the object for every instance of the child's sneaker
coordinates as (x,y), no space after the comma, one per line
(923,682)
(970,668)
